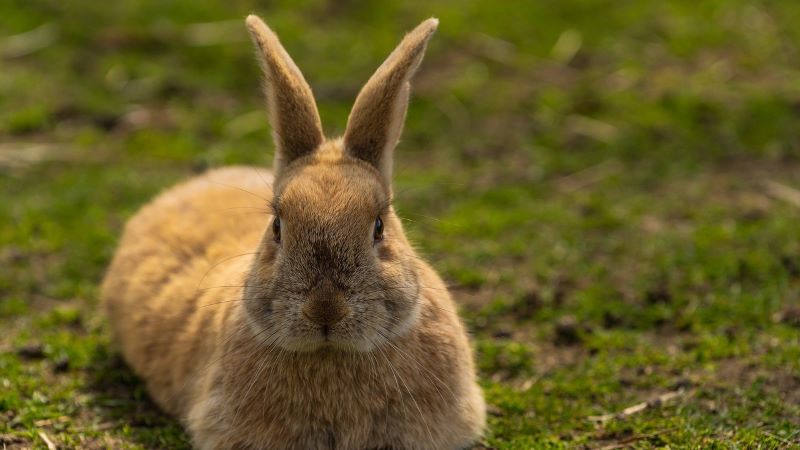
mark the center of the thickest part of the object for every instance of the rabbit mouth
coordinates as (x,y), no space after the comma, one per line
(314,337)
(327,343)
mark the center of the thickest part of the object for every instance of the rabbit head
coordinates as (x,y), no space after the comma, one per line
(334,268)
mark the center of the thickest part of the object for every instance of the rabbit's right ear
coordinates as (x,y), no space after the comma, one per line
(293,115)
(376,121)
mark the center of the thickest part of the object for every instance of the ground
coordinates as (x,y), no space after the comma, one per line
(609,188)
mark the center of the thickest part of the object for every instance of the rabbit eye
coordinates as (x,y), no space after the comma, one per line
(276,229)
(378,234)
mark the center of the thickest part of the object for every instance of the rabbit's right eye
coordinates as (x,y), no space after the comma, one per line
(276,229)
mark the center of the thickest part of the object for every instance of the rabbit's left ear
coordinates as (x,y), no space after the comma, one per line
(296,128)
(376,120)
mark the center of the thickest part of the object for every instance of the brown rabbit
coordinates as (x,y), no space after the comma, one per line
(316,326)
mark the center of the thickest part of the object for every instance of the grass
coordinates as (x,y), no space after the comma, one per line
(609,187)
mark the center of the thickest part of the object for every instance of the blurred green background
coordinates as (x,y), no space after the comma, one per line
(611,188)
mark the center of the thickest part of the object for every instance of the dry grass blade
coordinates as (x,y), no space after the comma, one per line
(639,407)
(47,441)
(787,442)
(50,422)
(592,128)
(628,441)
(29,42)
(20,155)
(588,176)
(783,192)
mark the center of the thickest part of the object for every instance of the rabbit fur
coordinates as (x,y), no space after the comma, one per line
(315,333)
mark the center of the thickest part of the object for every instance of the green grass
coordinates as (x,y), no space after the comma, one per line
(606,185)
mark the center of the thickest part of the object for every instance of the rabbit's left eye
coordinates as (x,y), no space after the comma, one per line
(378,233)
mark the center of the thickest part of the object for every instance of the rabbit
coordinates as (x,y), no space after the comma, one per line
(311,323)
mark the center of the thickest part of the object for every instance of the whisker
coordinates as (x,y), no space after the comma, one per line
(226,259)
(244,190)
(413,360)
(397,375)
(258,172)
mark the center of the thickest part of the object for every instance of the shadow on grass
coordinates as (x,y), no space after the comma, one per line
(120,402)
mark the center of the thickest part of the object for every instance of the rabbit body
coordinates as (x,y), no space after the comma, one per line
(321,337)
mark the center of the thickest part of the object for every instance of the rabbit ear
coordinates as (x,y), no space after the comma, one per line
(376,120)
(296,128)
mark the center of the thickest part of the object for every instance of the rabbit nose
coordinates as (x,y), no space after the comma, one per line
(325,305)
(325,312)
